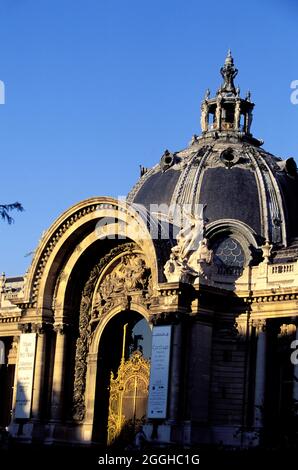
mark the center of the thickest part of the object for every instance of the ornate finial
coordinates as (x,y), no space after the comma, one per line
(228,73)
(266,249)
(248,96)
(229,58)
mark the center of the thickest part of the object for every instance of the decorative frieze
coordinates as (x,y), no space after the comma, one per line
(271,298)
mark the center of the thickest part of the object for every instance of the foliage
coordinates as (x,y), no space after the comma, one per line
(6,208)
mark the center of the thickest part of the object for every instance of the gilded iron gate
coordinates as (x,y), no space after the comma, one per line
(128,397)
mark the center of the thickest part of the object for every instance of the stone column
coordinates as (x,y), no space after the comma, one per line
(260,377)
(39,370)
(218,112)
(175,380)
(58,372)
(91,374)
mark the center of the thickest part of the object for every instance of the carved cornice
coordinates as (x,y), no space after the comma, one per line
(10,319)
(24,305)
(274,297)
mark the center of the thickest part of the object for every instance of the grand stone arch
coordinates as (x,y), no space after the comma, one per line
(67,235)
(74,256)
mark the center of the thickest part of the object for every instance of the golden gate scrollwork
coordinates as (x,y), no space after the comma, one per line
(128,396)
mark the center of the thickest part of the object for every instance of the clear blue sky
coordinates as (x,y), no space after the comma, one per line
(96,87)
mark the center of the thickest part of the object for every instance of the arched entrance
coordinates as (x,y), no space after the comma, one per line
(122,378)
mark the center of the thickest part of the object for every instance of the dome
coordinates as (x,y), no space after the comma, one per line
(248,193)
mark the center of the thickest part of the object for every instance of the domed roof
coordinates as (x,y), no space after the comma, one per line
(227,170)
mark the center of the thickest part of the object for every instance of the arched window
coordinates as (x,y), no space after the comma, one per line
(228,256)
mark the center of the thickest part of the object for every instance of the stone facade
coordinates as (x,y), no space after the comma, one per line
(232,301)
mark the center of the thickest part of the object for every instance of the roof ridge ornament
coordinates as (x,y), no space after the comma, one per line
(228,73)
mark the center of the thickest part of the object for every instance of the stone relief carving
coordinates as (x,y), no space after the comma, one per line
(128,275)
(201,261)
(191,259)
(177,269)
(189,237)
(228,157)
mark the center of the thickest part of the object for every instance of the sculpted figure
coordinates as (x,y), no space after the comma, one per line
(189,237)
(191,257)
(176,270)
(204,254)
(138,273)
(201,260)
(172,269)
(237,116)
(204,116)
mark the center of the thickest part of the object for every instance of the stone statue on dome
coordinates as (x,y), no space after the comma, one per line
(190,257)
(190,235)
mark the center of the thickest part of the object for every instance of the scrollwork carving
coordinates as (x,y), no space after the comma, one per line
(129,274)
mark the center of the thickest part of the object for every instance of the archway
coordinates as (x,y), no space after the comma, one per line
(122,371)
